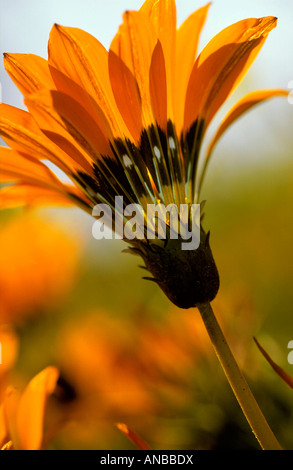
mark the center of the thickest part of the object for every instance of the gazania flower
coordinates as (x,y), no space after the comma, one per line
(130,122)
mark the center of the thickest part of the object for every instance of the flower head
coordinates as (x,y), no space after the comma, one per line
(130,122)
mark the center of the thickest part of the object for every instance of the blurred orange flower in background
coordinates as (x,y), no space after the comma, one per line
(9,343)
(22,414)
(100,357)
(137,370)
(39,260)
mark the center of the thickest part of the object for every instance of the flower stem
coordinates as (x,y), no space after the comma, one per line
(238,383)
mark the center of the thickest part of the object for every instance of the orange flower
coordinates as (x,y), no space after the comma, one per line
(8,354)
(129,122)
(39,261)
(22,414)
(98,358)
(120,369)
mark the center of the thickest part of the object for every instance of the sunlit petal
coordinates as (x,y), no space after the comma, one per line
(19,195)
(221,66)
(29,72)
(241,107)
(83,58)
(187,40)
(32,408)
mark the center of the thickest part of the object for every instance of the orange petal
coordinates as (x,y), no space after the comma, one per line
(243,105)
(80,125)
(19,130)
(41,107)
(17,167)
(4,434)
(147,7)
(158,87)
(187,40)
(29,72)
(221,66)
(19,195)
(80,56)
(134,44)
(9,415)
(67,86)
(7,446)
(84,60)
(31,410)
(133,437)
(9,343)
(126,94)
(284,376)
(163,16)
(22,118)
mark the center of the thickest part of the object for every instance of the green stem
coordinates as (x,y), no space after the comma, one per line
(238,383)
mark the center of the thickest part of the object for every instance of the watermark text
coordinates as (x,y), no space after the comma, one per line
(132,222)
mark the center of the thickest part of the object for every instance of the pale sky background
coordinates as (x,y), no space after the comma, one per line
(25,26)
